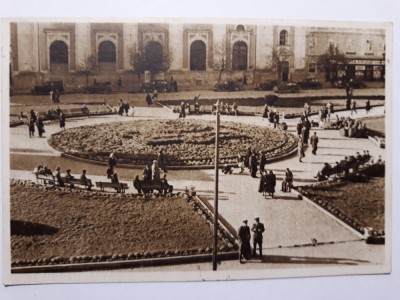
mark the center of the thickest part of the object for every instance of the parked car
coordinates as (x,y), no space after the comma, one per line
(161,86)
(99,88)
(47,86)
(355,83)
(287,87)
(228,85)
(266,85)
(310,83)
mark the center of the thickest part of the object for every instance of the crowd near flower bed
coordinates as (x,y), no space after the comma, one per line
(185,142)
(359,204)
(51,226)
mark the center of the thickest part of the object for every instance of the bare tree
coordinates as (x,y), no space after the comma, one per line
(88,66)
(220,59)
(329,61)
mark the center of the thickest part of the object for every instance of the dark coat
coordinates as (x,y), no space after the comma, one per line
(314,142)
(258,229)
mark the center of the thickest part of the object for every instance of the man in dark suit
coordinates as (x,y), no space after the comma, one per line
(314,143)
(257,229)
(244,241)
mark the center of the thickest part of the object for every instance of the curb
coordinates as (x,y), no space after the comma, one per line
(202,167)
(125,264)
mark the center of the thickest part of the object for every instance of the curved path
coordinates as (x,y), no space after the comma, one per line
(288,221)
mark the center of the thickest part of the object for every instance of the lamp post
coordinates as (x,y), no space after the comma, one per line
(215,242)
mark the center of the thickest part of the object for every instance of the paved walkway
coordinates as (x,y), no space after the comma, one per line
(288,221)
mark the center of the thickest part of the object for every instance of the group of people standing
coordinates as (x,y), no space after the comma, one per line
(34,119)
(272,115)
(244,237)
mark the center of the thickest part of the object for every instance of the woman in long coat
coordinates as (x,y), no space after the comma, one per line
(300,150)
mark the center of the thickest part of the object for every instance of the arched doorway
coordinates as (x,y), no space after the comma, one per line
(58,57)
(198,56)
(154,57)
(239,56)
(107,57)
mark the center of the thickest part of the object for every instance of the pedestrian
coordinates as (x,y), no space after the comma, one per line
(247,158)
(257,229)
(300,150)
(244,241)
(314,143)
(349,94)
(270,183)
(240,162)
(149,101)
(367,106)
(33,115)
(51,96)
(182,113)
(253,165)
(119,83)
(287,183)
(31,127)
(62,120)
(162,161)
(121,108)
(353,106)
(276,119)
(263,161)
(40,126)
(299,128)
(265,112)
(112,161)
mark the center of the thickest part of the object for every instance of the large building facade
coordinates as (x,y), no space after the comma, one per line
(193,54)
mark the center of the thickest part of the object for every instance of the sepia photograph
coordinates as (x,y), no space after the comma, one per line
(189,149)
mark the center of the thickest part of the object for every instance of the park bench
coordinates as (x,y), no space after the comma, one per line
(120,187)
(71,182)
(149,186)
(46,179)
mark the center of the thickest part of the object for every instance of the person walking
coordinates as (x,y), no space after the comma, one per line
(149,100)
(244,241)
(353,106)
(263,161)
(314,143)
(253,164)
(62,120)
(112,161)
(257,229)
(300,150)
(367,106)
(271,183)
(40,126)
(240,162)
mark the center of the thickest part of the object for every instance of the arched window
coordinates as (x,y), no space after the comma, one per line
(154,57)
(240,27)
(239,56)
(58,53)
(197,56)
(283,38)
(107,52)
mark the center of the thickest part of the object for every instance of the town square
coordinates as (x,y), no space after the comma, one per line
(250,149)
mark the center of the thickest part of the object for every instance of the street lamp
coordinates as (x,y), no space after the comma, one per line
(215,242)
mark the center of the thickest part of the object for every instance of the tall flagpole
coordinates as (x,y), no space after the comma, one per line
(215,243)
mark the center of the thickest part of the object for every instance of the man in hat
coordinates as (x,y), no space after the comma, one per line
(244,241)
(258,229)
(314,143)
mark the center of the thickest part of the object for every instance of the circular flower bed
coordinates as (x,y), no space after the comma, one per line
(185,142)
